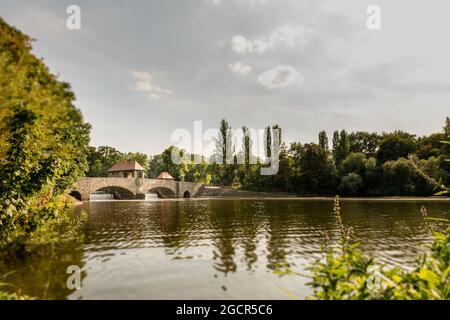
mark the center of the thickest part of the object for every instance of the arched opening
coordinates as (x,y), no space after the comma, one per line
(112,193)
(163,192)
(186,194)
(75,194)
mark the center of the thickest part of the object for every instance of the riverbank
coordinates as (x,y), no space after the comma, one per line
(222,192)
(329,198)
(280,198)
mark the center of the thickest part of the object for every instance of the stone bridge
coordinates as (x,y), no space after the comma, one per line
(135,188)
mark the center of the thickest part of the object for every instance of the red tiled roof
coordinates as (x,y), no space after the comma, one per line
(165,175)
(126,166)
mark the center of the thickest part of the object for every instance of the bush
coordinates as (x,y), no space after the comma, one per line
(398,177)
(355,162)
(351,184)
(345,273)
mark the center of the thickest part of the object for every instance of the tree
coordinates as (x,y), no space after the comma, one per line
(296,152)
(323,140)
(432,168)
(101,159)
(398,177)
(244,171)
(354,162)
(43,138)
(224,142)
(341,146)
(225,151)
(335,144)
(247,146)
(316,170)
(351,184)
(139,157)
(198,172)
(396,145)
(268,142)
(447,127)
(372,177)
(163,163)
(431,146)
(365,142)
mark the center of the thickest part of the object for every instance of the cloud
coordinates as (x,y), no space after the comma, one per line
(279,77)
(239,68)
(144,82)
(344,68)
(285,36)
(214,2)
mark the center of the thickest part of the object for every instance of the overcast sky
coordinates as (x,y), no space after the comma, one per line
(141,69)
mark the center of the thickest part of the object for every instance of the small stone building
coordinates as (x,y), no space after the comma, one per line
(126,169)
(165,176)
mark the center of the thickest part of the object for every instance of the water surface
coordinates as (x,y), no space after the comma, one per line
(215,248)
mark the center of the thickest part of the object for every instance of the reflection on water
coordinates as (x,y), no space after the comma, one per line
(217,248)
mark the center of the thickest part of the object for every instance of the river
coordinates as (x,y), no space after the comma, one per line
(215,248)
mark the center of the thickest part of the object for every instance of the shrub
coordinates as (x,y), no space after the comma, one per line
(345,272)
(351,184)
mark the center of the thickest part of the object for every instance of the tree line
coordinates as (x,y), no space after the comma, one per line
(353,163)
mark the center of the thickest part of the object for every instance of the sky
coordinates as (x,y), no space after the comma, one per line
(142,69)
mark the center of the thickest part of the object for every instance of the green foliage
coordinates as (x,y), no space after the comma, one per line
(323,140)
(364,142)
(316,170)
(396,145)
(43,138)
(431,146)
(398,177)
(101,159)
(187,170)
(14,296)
(354,162)
(139,157)
(351,184)
(341,146)
(345,273)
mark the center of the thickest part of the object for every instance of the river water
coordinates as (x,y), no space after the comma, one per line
(215,248)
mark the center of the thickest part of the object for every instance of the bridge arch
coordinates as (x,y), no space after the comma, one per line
(76,194)
(119,193)
(163,192)
(186,194)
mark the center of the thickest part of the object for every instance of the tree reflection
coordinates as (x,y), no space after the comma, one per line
(42,274)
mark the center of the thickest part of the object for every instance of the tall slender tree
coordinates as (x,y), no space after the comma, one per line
(323,140)
(268,142)
(247,145)
(344,144)
(341,146)
(224,143)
